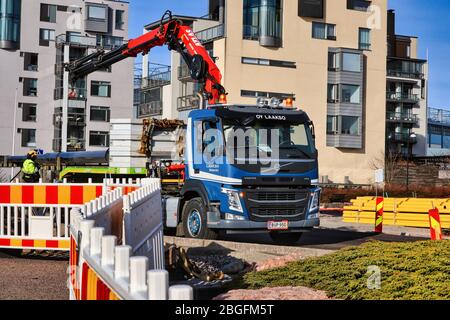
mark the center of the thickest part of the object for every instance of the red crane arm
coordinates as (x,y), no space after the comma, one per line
(177,37)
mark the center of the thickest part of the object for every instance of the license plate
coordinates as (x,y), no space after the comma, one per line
(278,225)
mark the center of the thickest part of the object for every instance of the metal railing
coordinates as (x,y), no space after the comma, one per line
(397,96)
(156,80)
(76,39)
(153,108)
(211,34)
(73,94)
(184,73)
(401,137)
(403,74)
(440,116)
(73,144)
(403,117)
(188,103)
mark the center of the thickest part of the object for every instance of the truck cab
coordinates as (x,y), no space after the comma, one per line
(248,169)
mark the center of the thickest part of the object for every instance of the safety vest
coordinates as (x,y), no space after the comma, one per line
(29,167)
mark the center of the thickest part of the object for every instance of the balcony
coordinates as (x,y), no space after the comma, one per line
(73,145)
(188,103)
(401,138)
(402,97)
(75,94)
(77,119)
(439,116)
(149,109)
(156,80)
(77,40)
(184,73)
(407,75)
(402,117)
(211,34)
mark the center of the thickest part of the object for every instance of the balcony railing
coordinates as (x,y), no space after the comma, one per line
(150,109)
(75,94)
(402,117)
(77,40)
(402,74)
(188,103)
(406,97)
(156,80)
(73,144)
(211,34)
(439,116)
(401,138)
(184,73)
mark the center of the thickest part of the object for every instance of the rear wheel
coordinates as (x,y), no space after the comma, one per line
(286,238)
(195,220)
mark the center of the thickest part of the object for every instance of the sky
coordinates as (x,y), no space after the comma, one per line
(428,20)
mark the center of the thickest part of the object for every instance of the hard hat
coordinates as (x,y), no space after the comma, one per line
(32,153)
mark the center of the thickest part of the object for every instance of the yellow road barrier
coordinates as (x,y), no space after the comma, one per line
(407,212)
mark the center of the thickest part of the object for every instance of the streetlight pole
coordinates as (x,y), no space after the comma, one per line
(410,138)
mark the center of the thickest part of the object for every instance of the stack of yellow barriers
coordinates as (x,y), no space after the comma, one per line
(407,212)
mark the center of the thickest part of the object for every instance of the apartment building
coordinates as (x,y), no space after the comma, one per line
(330,56)
(406,95)
(438,142)
(38,107)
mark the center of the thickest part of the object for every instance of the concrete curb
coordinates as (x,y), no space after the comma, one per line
(224,247)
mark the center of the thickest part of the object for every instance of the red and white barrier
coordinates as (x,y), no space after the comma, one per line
(105,267)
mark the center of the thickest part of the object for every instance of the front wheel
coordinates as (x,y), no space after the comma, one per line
(195,220)
(286,238)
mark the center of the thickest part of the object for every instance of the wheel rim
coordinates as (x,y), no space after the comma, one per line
(194,223)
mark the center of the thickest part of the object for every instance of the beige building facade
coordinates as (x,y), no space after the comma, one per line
(328,55)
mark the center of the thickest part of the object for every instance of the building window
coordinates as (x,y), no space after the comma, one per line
(97,13)
(266,62)
(311,9)
(45,36)
(48,13)
(98,139)
(259,94)
(334,61)
(364,39)
(350,125)
(351,62)
(28,138)
(120,19)
(10,11)
(359,5)
(323,31)
(101,89)
(100,113)
(109,41)
(29,112)
(333,96)
(332,125)
(30,61)
(263,18)
(29,87)
(351,93)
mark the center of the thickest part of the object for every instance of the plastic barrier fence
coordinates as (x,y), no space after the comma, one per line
(104,267)
(36,216)
(407,212)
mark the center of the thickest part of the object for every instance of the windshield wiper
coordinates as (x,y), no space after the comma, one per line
(297,149)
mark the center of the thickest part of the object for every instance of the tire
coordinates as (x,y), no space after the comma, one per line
(195,220)
(287,238)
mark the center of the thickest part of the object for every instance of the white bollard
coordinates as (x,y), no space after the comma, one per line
(122,262)
(96,241)
(85,228)
(158,284)
(108,245)
(181,292)
(138,269)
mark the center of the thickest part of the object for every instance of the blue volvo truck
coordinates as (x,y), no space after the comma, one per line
(245,169)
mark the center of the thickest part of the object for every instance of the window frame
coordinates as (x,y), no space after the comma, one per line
(122,25)
(88,13)
(364,46)
(327,26)
(100,108)
(98,84)
(342,96)
(102,134)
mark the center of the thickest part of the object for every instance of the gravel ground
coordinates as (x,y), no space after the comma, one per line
(33,277)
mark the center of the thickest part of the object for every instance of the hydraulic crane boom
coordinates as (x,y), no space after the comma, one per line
(177,37)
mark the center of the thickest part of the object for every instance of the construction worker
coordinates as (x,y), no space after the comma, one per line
(30,168)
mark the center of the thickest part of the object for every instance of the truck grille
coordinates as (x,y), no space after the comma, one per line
(275,204)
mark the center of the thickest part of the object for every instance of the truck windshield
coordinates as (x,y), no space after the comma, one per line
(262,138)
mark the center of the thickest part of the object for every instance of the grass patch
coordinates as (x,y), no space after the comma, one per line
(410,271)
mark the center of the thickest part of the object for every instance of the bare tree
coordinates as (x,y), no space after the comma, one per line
(388,162)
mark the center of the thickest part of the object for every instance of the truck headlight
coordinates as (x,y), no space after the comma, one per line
(315,201)
(234,201)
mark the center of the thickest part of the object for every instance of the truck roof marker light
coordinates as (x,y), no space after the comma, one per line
(223,98)
(289,102)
